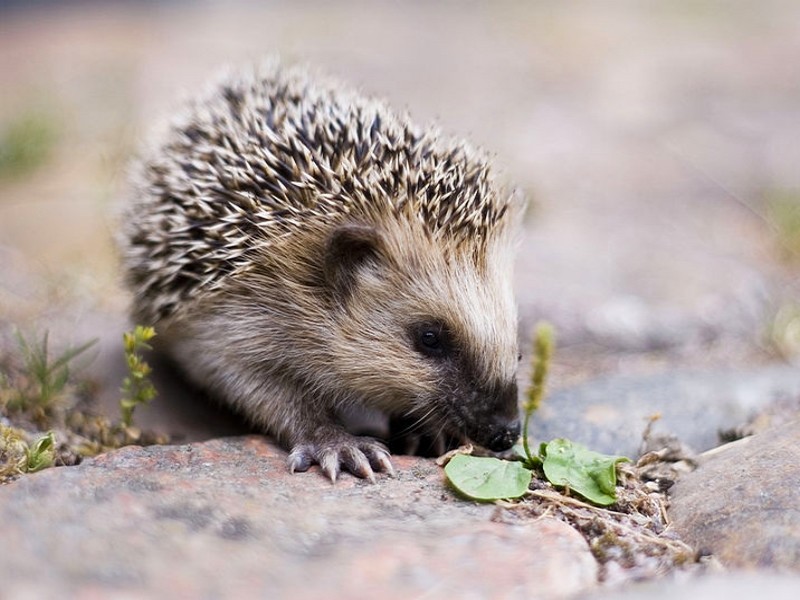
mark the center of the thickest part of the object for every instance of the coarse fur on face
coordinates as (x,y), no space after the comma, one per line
(427,331)
(302,249)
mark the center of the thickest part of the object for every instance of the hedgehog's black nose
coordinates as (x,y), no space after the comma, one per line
(505,437)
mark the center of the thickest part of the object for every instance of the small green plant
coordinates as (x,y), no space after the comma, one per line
(486,478)
(544,340)
(44,378)
(562,462)
(41,401)
(17,456)
(590,474)
(137,389)
(41,454)
(26,143)
(12,452)
(783,213)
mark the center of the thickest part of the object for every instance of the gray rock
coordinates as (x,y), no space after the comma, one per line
(610,414)
(225,519)
(741,504)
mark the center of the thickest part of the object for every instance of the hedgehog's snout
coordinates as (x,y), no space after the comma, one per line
(506,434)
(496,423)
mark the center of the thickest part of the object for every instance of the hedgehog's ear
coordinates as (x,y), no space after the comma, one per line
(349,247)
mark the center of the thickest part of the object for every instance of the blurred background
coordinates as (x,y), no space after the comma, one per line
(658,143)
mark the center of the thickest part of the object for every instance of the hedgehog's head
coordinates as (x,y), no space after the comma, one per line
(425,326)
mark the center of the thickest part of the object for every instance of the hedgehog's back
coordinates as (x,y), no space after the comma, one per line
(267,151)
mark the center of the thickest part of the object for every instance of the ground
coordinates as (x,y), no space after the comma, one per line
(656,143)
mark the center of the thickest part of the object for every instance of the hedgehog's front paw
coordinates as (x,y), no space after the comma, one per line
(361,456)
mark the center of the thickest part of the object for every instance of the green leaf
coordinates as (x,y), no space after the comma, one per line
(591,474)
(485,478)
(41,453)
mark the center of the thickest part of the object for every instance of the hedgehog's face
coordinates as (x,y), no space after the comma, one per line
(425,332)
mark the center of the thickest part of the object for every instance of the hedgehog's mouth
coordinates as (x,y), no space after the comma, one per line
(489,418)
(496,436)
(494,432)
(445,430)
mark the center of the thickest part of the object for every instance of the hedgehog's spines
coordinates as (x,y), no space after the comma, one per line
(270,152)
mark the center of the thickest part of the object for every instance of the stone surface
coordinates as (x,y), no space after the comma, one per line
(741,504)
(610,414)
(224,519)
(728,586)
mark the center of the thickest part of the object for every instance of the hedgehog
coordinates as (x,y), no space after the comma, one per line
(304,251)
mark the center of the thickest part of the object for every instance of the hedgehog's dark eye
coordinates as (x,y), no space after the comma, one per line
(431,339)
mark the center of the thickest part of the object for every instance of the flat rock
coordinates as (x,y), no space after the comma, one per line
(610,414)
(224,518)
(741,504)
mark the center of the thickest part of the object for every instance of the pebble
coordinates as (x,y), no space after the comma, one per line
(741,503)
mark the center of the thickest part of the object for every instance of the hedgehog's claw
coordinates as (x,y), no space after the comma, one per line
(300,459)
(356,462)
(329,463)
(379,460)
(360,456)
